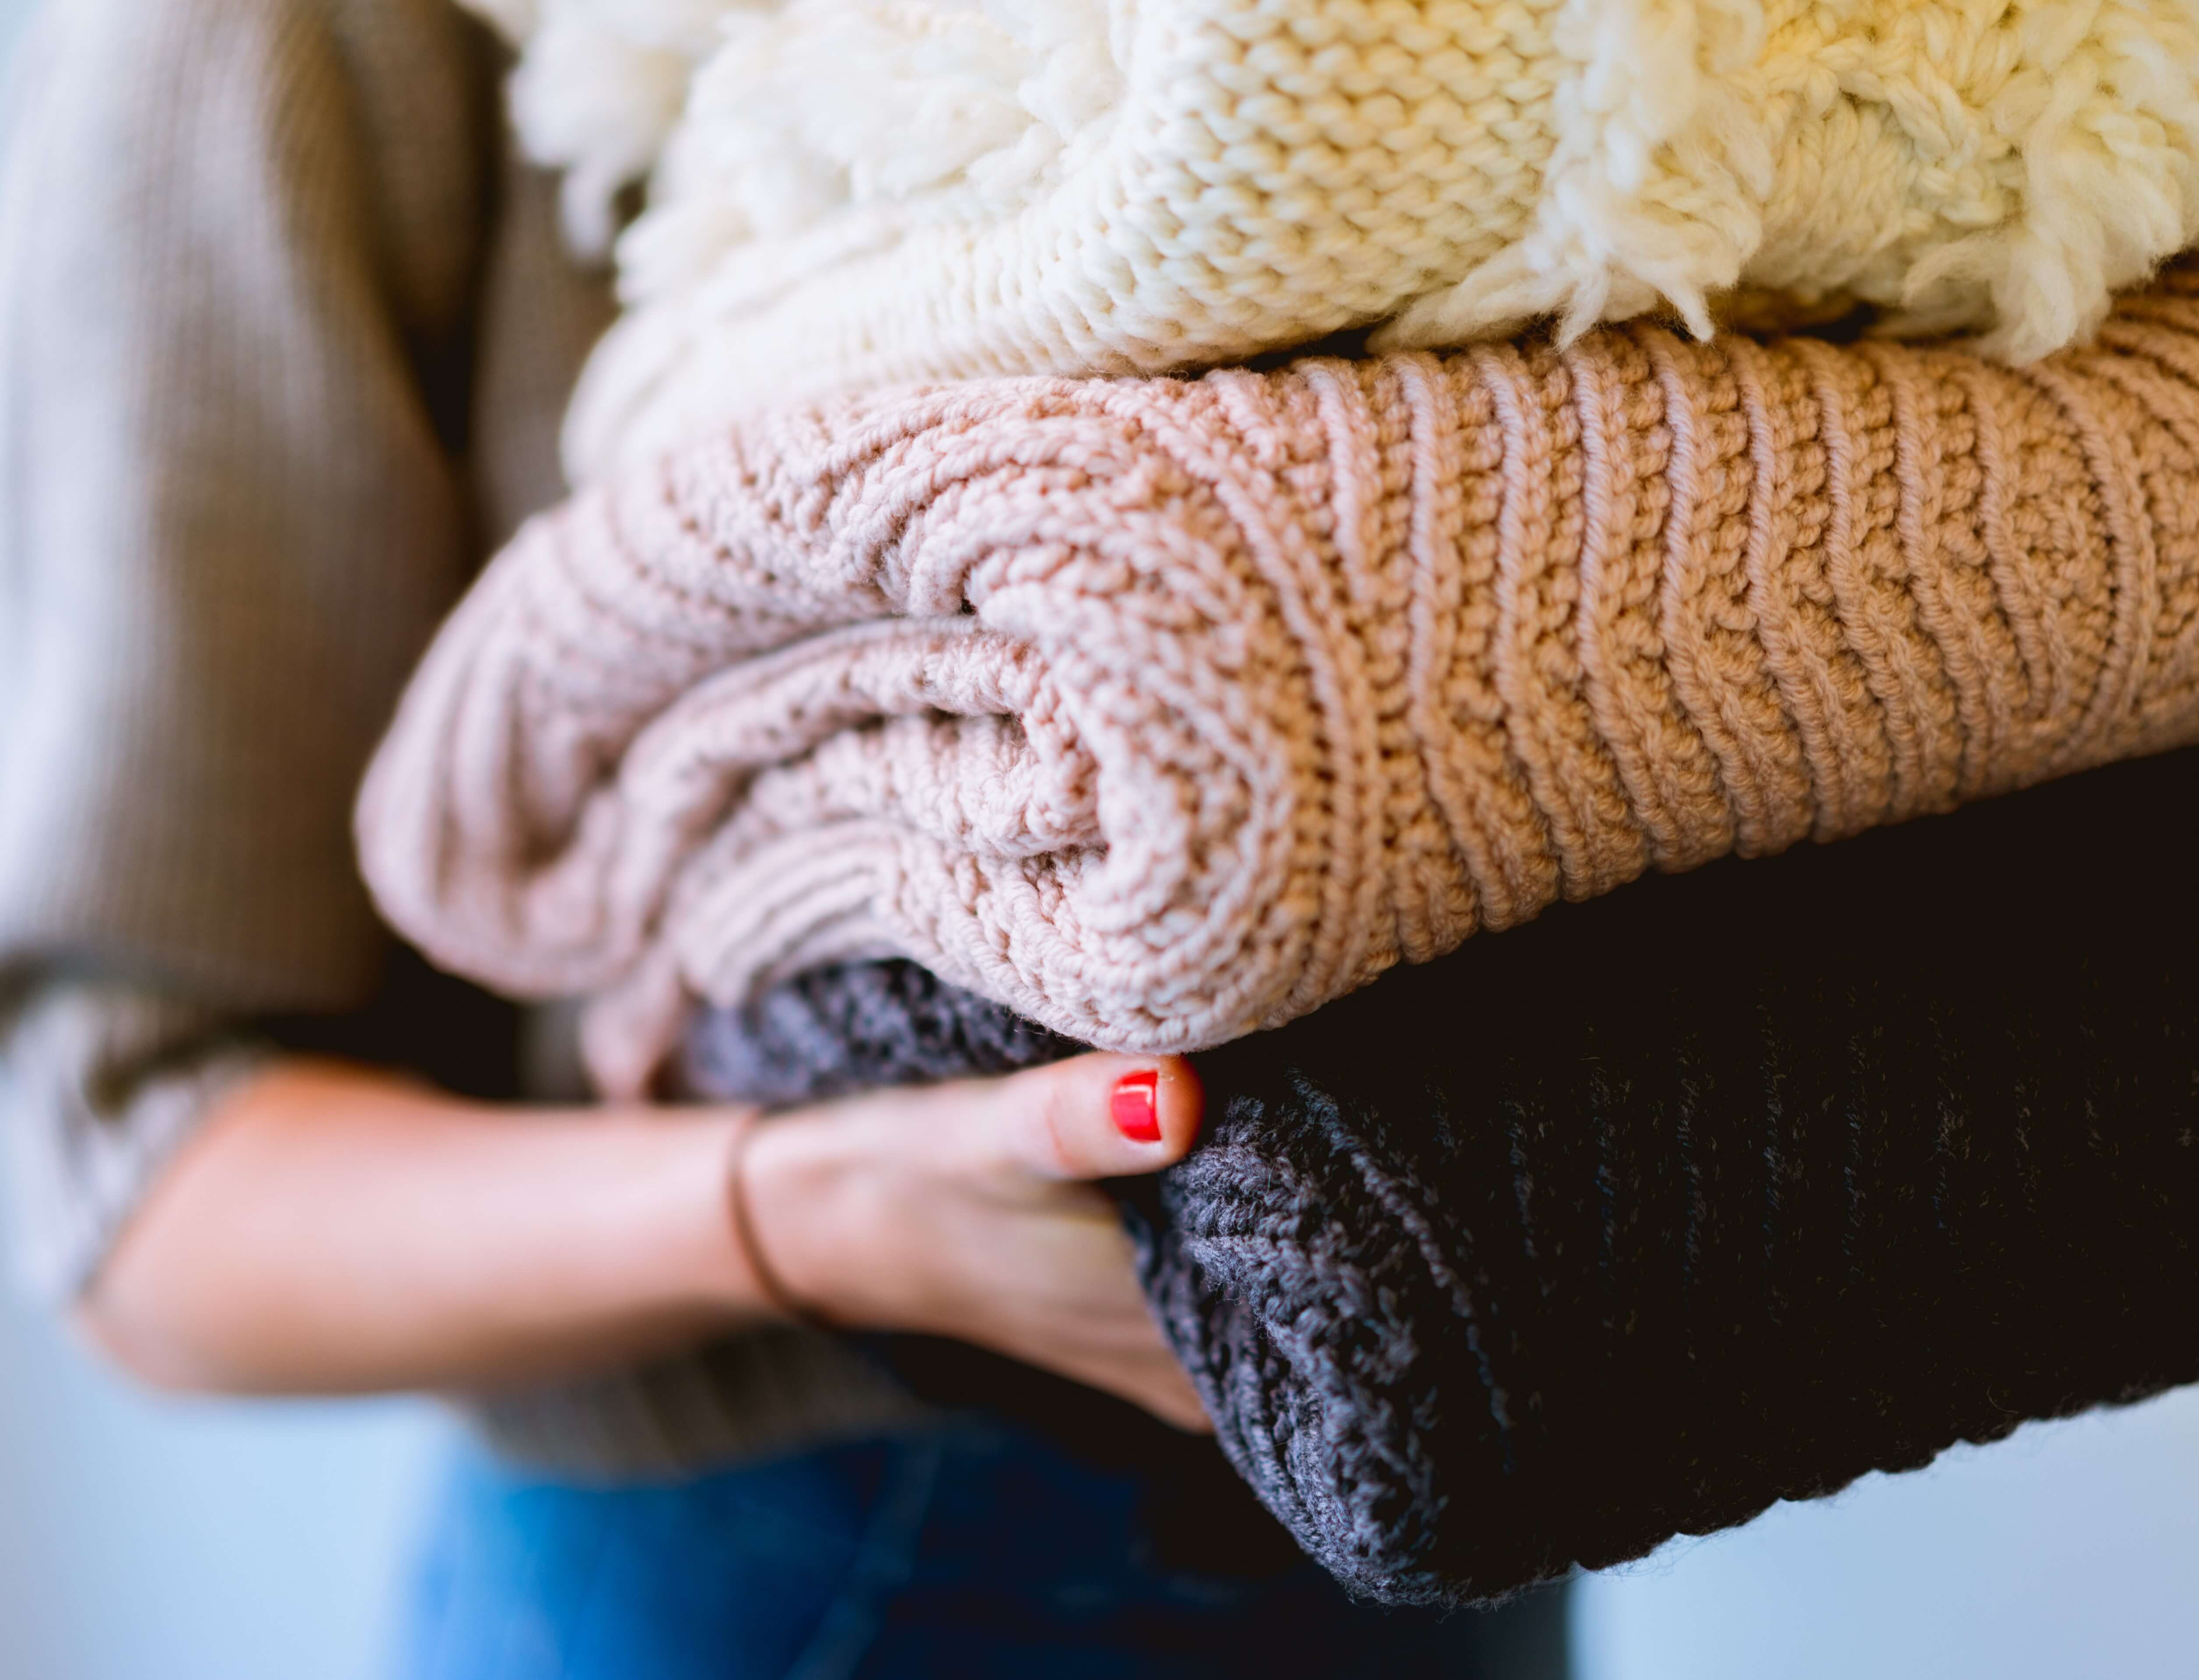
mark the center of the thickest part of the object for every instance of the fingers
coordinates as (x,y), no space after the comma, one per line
(1099,1116)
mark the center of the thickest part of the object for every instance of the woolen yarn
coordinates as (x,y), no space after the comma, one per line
(1725,1190)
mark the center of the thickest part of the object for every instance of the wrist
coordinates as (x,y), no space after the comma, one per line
(701,1257)
(818,1230)
(763,1281)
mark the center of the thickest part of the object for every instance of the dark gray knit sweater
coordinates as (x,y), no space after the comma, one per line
(1725,1190)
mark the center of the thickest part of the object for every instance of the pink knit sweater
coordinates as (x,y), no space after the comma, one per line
(1163,710)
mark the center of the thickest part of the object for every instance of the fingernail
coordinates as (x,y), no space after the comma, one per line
(1137,1106)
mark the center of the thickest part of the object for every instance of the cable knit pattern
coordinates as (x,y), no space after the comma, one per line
(1162,711)
(849,193)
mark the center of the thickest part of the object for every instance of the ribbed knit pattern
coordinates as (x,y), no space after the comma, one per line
(1164,711)
(1726,1190)
(851,192)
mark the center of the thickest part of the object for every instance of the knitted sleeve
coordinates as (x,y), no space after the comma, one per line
(235,237)
(1165,711)
(102,1083)
(1725,1190)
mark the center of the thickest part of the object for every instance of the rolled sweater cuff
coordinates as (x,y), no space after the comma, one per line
(100,1083)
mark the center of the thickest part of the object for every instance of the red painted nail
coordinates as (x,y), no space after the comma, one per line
(1137,1106)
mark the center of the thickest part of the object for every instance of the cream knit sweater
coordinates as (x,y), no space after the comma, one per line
(848,193)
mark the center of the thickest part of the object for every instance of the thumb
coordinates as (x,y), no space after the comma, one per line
(1099,1116)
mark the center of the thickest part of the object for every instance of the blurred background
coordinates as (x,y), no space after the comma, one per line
(148,1540)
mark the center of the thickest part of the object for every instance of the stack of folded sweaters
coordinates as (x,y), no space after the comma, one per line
(1086,698)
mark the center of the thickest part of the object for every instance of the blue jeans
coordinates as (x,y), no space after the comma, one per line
(975,1552)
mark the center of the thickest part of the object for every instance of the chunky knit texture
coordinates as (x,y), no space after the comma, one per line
(855,1027)
(1163,711)
(1726,1190)
(849,193)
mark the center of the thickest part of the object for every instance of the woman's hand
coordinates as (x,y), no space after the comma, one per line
(963,1210)
(332,1230)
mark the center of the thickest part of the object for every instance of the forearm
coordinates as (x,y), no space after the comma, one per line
(333,1230)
